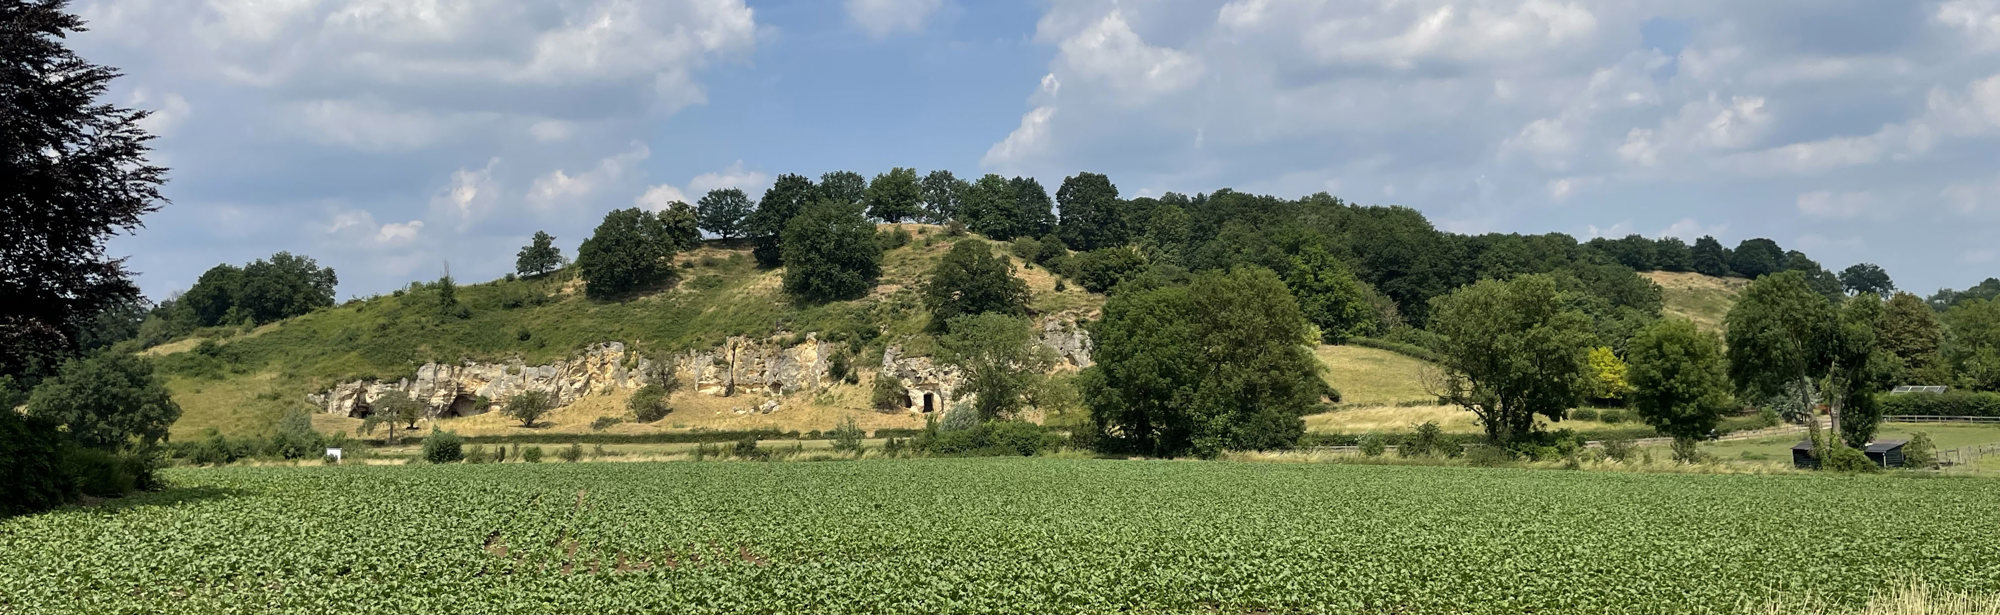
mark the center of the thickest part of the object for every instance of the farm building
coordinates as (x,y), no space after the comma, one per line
(1885,453)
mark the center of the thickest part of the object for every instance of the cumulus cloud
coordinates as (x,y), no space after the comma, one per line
(1977,19)
(1109,52)
(1828,204)
(751,182)
(359,226)
(168,110)
(881,18)
(561,189)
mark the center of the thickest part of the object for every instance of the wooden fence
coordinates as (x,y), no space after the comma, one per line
(1966,454)
(1926,418)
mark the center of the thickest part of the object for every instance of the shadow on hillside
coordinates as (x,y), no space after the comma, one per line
(172,496)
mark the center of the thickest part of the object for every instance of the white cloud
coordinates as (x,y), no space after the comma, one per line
(1974,196)
(1700,128)
(1109,52)
(374,126)
(1687,229)
(1620,229)
(1970,113)
(1979,19)
(359,226)
(548,131)
(560,189)
(751,182)
(660,197)
(881,18)
(1405,35)
(1837,205)
(1031,138)
(471,195)
(168,111)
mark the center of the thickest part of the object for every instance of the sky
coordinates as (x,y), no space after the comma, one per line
(390,139)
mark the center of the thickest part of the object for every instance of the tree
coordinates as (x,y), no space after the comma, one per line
(212,299)
(682,226)
(1867,278)
(971,279)
(1092,215)
(942,194)
(1513,350)
(1000,357)
(284,286)
(539,257)
(1609,375)
(724,212)
(110,401)
(529,406)
(1857,372)
(447,296)
(1100,270)
(1755,258)
(830,254)
(1033,213)
(73,173)
(1780,336)
(1216,365)
(1329,295)
(1973,343)
(1909,333)
(1709,258)
(1679,383)
(1818,278)
(649,403)
(895,196)
(628,250)
(786,197)
(843,187)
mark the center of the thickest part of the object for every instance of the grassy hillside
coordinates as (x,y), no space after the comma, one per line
(240,381)
(1702,299)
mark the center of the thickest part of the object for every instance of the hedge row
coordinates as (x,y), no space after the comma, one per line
(692,437)
(1954,403)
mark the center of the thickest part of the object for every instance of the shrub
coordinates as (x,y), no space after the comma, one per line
(529,406)
(839,369)
(1490,456)
(444,447)
(605,422)
(1021,437)
(1686,450)
(847,437)
(105,474)
(476,454)
(1619,449)
(572,454)
(500,453)
(1102,269)
(1026,248)
(1768,418)
(954,228)
(1424,443)
(893,238)
(532,455)
(648,404)
(889,394)
(1614,417)
(960,417)
(1952,403)
(1848,460)
(1583,414)
(1373,445)
(747,449)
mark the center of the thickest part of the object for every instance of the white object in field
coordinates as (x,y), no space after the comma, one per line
(334,453)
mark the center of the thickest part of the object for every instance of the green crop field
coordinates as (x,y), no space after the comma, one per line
(995,536)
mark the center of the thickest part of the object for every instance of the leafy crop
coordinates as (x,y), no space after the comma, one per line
(993,536)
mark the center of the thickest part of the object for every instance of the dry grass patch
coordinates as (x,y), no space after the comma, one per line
(1367,376)
(1702,299)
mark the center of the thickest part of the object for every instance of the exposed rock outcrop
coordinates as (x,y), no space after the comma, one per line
(931,387)
(458,390)
(1069,341)
(742,365)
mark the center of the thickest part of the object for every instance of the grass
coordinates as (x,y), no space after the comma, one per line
(252,377)
(1452,419)
(1003,536)
(1780,447)
(1699,298)
(1368,376)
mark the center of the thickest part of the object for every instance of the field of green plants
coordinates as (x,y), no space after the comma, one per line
(995,536)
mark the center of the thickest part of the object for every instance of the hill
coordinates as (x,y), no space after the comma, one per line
(241,380)
(1696,297)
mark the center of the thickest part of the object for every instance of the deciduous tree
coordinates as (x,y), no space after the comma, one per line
(540,256)
(109,401)
(529,406)
(971,279)
(1679,383)
(786,197)
(1867,278)
(1781,338)
(1000,357)
(628,250)
(843,187)
(895,196)
(942,194)
(1513,350)
(724,212)
(830,254)
(1092,215)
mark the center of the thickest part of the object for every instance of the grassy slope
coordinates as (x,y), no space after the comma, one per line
(255,377)
(1371,377)
(1702,299)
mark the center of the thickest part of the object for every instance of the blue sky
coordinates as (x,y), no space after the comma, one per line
(388,137)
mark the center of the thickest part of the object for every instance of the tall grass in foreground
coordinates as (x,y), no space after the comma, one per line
(1914,598)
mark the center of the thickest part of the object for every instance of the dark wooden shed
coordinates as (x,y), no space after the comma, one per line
(1886,453)
(1803,458)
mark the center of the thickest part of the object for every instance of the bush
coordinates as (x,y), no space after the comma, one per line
(1619,449)
(889,394)
(1848,460)
(960,417)
(476,454)
(1768,418)
(1687,451)
(1019,437)
(572,454)
(1583,414)
(105,474)
(529,406)
(1920,452)
(1953,403)
(532,455)
(1425,442)
(893,238)
(840,369)
(1026,248)
(1373,445)
(648,404)
(1490,456)
(1102,269)
(605,422)
(1614,417)
(747,449)
(847,437)
(444,447)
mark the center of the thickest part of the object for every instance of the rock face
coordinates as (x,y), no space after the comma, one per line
(456,390)
(742,365)
(1069,341)
(930,387)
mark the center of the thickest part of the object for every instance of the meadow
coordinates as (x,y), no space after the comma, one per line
(996,536)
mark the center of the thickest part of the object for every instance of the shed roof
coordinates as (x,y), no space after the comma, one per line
(1804,445)
(1883,446)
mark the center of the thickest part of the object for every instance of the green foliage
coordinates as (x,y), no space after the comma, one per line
(110,401)
(1973,347)
(971,280)
(1100,270)
(682,225)
(1848,460)
(572,453)
(294,437)
(830,254)
(1217,365)
(1513,350)
(532,454)
(1000,358)
(539,257)
(724,212)
(895,196)
(747,449)
(1329,295)
(848,436)
(629,250)
(1755,258)
(1779,333)
(1092,215)
(1686,450)
(1709,258)
(108,474)
(606,422)
(31,475)
(1583,414)
(443,447)
(649,403)
(263,291)
(1920,452)
(889,394)
(1680,384)
(843,187)
(1619,449)
(1867,278)
(1373,445)
(787,196)
(1425,440)
(529,406)
(1950,403)
(1910,333)
(942,194)
(1607,376)
(1026,248)
(1003,209)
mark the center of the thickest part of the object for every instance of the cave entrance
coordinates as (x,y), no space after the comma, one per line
(463,405)
(930,403)
(361,409)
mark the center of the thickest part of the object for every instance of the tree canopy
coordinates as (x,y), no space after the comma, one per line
(786,197)
(843,187)
(265,290)
(73,173)
(1218,364)
(943,194)
(629,250)
(830,254)
(895,196)
(109,401)
(1867,278)
(724,212)
(1513,350)
(1680,384)
(1000,357)
(1092,215)
(971,279)
(540,256)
